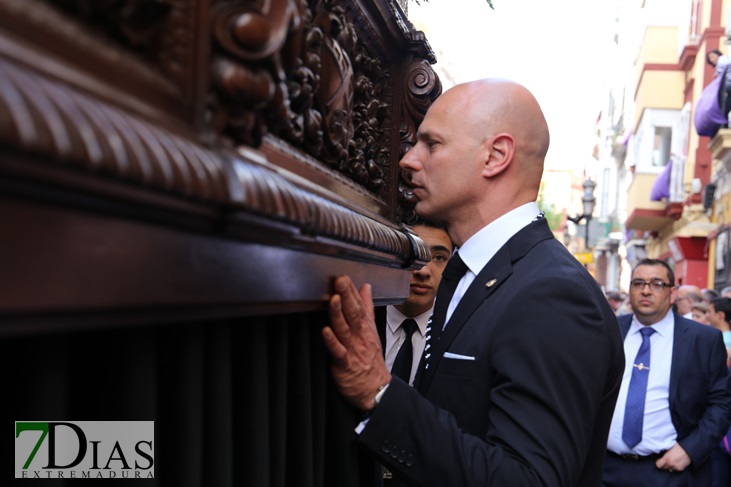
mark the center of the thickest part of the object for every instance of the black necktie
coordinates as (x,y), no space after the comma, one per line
(453,273)
(405,357)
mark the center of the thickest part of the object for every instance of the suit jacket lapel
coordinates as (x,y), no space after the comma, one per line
(489,279)
(495,273)
(680,353)
(624,322)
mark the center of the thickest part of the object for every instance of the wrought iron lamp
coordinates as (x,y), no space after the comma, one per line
(588,200)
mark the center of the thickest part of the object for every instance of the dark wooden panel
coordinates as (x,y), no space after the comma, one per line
(63,261)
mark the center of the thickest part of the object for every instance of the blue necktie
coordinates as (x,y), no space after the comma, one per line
(634,411)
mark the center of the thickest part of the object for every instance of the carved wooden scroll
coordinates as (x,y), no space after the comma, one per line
(277,124)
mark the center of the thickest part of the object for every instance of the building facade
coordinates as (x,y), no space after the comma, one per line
(658,165)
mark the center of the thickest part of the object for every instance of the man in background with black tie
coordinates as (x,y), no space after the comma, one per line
(675,401)
(402,327)
(525,357)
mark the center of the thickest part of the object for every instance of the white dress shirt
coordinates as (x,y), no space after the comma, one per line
(482,246)
(658,432)
(395,337)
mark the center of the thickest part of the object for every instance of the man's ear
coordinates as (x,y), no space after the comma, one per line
(501,149)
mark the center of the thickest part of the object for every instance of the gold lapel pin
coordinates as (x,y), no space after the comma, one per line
(491,283)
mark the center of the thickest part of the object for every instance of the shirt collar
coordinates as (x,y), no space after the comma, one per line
(664,327)
(482,246)
(394,318)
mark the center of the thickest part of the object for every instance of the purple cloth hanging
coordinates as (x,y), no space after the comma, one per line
(661,187)
(626,136)
(708,115)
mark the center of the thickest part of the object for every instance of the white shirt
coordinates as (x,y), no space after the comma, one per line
(395,336)
(475,253)
(658,432)
(482,246)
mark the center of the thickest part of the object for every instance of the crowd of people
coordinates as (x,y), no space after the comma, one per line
(518,370)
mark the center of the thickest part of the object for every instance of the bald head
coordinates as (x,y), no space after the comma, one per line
(496,105)
(685,296)
(479,154)
(493,106)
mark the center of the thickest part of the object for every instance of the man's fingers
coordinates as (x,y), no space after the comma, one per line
(674,460)
(351,314)
(352,305)
(333,345)
(338,323)
(366,295)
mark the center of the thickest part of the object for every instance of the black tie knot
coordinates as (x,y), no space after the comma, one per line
(409,326)
(455,268)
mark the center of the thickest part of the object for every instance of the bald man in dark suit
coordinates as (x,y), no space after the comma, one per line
(525,357)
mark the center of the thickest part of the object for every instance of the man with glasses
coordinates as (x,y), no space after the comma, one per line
(675,400)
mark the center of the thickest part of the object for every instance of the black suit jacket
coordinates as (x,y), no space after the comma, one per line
(700,387)
(381,318)
(534,405)
(381,322)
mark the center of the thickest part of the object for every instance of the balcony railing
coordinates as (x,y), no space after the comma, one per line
(646,214)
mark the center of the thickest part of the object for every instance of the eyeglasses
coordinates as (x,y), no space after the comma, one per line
(656,285)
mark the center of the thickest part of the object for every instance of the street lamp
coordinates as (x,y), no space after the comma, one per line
(588,201)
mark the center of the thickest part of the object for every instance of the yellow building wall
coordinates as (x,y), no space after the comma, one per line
(658,88)
(638,194)
(711,264)
(660,45)
(657,247)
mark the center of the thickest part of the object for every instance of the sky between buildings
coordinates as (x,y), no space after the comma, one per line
(561,51)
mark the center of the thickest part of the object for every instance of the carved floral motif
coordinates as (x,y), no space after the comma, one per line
(299,71)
